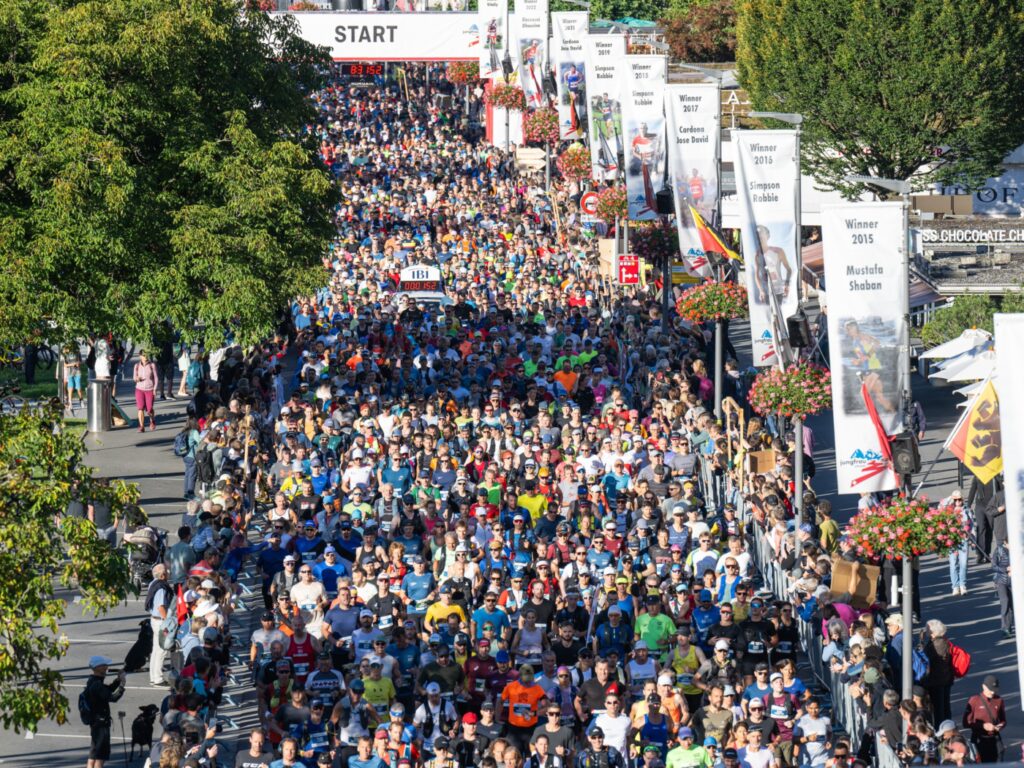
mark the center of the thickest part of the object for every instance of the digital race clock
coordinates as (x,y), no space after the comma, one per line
(352,69)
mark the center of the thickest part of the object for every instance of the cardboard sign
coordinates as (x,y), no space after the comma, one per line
(759,462)
(855,583)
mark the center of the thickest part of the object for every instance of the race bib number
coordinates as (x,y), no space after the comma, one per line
(480,686)
(301,669)
(421,605)
(755,646)
(386,621)
(785,646)
(778,712)
(684,679)
(522,710)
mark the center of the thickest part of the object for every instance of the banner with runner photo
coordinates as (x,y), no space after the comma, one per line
(531,45)
(605,59)
(766,173)
(492,16)
(570,28)
(1009,330)
(693,111)
(643,124)
(866,279)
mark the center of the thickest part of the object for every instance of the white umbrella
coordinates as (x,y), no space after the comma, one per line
(956,361)
(978,367)
(970,390)
(968,340)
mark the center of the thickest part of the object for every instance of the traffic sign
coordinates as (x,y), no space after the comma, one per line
(628,270)
(588,203)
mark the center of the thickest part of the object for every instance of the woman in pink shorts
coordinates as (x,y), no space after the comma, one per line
(145,387)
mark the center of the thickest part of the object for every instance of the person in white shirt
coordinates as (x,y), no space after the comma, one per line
(755,754)
(812,735)
(614,723)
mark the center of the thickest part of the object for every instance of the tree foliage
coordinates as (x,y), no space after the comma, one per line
(972,311)
(890,88)
(704,32)
(40,465)
(154,165)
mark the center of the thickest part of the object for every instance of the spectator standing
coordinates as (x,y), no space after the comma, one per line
(985,715)
(145,376)
(939,679)
(99,694)
(1004,586)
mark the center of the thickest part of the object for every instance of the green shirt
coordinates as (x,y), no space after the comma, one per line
(694,757)
(656,631)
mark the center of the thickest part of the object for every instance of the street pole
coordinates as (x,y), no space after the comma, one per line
(719,369)
(666,292)
(547,167)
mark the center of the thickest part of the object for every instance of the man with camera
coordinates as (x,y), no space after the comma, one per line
(97,696)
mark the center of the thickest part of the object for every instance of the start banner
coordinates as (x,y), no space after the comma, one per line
(867,279)
(378,37)
(605,57)
(766,174)
(643,123)
(694,112)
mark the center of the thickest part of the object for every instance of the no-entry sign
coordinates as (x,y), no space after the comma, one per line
(628,269)
(588,203)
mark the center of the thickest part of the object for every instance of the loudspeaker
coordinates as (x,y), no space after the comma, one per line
(506,66)
(799,330)
(550,85)
(663,202)
(906,459)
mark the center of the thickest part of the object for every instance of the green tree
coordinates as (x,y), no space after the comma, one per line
(928,89)
(40,466)
(155,164)
(704,31)
(964,312)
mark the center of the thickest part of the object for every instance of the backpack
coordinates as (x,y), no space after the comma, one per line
(194,375)
(960,660)
(181,447)
(84,707)
(920,665)
(167,635)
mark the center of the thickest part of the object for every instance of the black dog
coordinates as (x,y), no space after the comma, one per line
(142,729)
(138,654)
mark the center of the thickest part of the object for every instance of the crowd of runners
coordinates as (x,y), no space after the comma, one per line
(507,530)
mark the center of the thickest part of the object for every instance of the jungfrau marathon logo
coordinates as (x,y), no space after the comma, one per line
(870,463)
(769,353)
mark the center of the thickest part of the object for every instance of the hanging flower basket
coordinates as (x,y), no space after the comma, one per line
(574,163)
(906,528)
(653,241)
(462,72)
(510,97)
(713,301)
(611,204)
(802,389)
(541,126)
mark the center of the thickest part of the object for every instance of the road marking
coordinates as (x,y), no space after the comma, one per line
(30,735)
(81,684)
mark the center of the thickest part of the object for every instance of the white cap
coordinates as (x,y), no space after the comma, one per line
(357,454)
(432,689)
(100,661)
(608,571)
(208,584)
(722,645)
(665,680)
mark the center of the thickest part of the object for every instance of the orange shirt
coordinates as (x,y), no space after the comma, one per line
(522,703)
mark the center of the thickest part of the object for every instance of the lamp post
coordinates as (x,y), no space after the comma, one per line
(902,188)
(785,351)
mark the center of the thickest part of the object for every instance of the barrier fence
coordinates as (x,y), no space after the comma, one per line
(845,709)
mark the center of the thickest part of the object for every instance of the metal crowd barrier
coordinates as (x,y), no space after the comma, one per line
(845,710)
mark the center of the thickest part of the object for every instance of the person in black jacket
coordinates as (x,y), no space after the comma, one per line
(99,694)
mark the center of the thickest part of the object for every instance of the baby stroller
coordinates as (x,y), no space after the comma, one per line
(146,546)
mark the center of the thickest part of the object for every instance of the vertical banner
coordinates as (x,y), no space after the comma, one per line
(693,111)
(570,28)
(605,56)
(643,123)
(491,19)
(866,279)
(766,173)
(531,45)
(1009,330)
